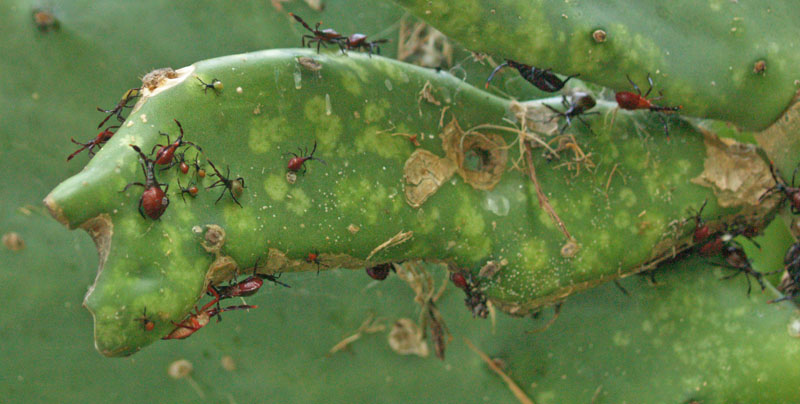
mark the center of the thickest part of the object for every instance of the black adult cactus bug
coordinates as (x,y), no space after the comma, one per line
(543,79)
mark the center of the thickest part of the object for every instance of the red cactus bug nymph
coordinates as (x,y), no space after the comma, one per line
(181,160)
(166,153)
(215,85)
(459,280)
(576,108)
(543,79)
(98,142)
(232,186)
(200,319)
(121,105)
(192,190)
(298,162)
(313,258)
(633,101)
(324,37)
(249,286)
(153,201)
(792,193)
(199,172)
(147,324)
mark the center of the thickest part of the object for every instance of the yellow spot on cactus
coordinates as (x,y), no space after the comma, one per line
(469,219)
(376,110)
(299,203)
(265,131)
(622,221)
(627,197)
(276,187)
(621,338)
(385,145)
(327,128)
(351,84)
(534,254)
(427,219)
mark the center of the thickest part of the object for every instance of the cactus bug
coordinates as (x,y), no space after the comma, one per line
(147,324)
(198,171)
(200,319)
(634,101)
(121,105)
(98,141)
(380,272)
(475,300)
(359,41)
(543,79)
(234,187)
(313,258)
(459,280)
(192,190)
(630,101)
(790,285)
(323,37)
(298,162)
(183,166)
(577,106)
(249,286)
(735,258)
(792,193)
(166,153)
(215,85)
(153,201)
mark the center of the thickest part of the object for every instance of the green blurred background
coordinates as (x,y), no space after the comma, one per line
(690,337)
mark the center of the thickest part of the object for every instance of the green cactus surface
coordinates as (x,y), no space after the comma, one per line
(605,41)
(366,202)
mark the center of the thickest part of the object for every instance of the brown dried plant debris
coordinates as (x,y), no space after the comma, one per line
(406,338)
(424,172)
(370,325)
(13,241)
(427,95)
(735,171)
(544,202)
(518,393)
(426,295)
(490,150)
(397,239)
(579,157)
(156,78)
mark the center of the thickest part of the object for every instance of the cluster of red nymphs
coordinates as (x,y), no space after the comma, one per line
(201,317)
(722,242)
(154,201)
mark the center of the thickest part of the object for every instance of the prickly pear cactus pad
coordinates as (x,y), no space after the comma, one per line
(408,163)
(748,76)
